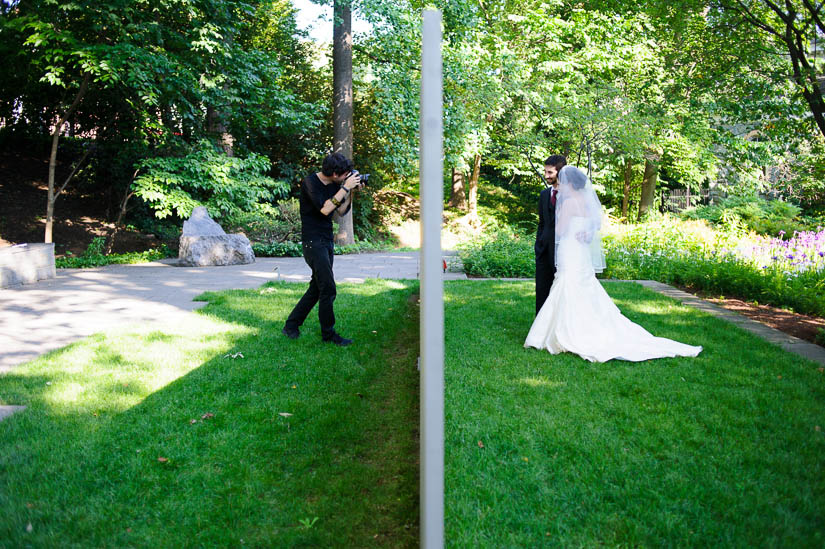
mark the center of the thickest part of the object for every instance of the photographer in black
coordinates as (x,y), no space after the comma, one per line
(322,194)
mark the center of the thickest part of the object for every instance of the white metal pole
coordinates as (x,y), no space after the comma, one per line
(432,286)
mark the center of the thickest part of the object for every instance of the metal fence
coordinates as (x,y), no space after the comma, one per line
(676,200)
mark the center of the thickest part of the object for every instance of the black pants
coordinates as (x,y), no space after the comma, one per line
(319,256)
(545,273)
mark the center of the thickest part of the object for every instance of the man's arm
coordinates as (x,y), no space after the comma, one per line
(342,196)
(540,228)
(345,205)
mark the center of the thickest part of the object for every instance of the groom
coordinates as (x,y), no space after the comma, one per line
(545,246)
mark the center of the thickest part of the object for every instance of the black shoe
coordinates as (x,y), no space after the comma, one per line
(338,340)
(291,333)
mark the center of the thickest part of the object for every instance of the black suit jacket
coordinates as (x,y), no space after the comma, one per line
(546,233)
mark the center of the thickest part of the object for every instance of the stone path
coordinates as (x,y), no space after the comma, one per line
(50,314)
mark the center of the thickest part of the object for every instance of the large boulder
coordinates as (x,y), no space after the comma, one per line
(204,243)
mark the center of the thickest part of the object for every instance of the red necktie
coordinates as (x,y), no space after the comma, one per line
(553,197)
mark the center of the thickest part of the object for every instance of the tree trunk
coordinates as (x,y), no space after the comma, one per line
(458,195)
(474,186)
(628,179)
(121,214)
(342,100)
(216,126)
(648,187)
(52,196)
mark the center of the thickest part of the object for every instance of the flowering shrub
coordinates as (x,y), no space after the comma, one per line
(769,270)
(803,252)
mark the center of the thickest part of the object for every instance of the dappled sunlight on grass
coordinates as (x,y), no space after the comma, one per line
(541,382)
(115,371)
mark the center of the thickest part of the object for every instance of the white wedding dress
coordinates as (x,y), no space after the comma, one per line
(579,317)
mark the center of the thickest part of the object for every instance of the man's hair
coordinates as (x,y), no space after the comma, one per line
(336,163)
(557,160)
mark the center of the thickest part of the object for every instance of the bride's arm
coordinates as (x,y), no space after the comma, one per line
(563,217)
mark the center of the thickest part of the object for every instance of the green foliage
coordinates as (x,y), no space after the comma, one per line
(206,176)
(293,249)
(505,253)
(164,75)
(363,246)
(269,225)
(751,212)
(277,249)
(94,256)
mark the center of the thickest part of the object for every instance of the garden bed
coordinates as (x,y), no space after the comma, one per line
(805,327)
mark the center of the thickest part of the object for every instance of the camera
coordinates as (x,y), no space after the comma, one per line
(364,177)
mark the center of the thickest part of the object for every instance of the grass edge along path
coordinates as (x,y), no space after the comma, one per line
(221,432)
(723,450)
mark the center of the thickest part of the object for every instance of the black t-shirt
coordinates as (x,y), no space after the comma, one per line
(314,224)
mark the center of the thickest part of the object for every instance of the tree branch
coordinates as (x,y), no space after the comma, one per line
(745,11)
(74,170)
(814,11)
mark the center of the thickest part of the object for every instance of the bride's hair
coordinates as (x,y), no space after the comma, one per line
(577,178)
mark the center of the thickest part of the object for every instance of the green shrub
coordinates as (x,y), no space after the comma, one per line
(293,249)
(206,176)
(277,249)
(769,217)
(94,256)
(269,225)
(506,253)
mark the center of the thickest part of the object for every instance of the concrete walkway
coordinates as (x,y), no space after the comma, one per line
(48,315)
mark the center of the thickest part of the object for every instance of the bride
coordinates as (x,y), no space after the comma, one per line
(578,315)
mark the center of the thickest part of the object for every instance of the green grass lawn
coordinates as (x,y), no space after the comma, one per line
(720,450)
(723,450)
(158,437)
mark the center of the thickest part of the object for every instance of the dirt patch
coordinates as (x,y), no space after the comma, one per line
(79,217)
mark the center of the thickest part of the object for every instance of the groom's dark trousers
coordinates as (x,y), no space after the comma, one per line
(545,248)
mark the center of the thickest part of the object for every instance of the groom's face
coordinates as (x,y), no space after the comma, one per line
(550,174)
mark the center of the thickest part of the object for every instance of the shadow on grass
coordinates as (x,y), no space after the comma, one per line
(245,448)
